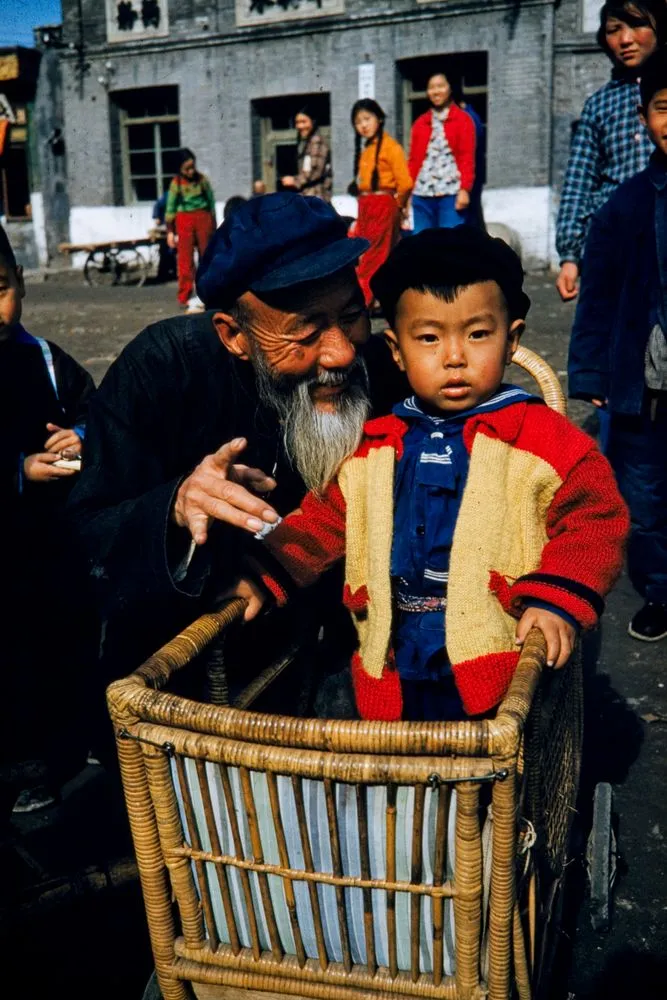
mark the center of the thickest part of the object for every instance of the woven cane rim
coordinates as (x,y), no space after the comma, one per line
(544,375)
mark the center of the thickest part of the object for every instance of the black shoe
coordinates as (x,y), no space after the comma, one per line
(650,623)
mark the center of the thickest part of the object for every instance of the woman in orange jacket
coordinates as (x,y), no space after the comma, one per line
(382,184)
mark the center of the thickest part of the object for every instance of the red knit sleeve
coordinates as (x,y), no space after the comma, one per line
(311,539)
(462,141)
(587,526)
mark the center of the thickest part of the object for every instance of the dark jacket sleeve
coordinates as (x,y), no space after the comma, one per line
(590,343)
(75,387)
(122,501)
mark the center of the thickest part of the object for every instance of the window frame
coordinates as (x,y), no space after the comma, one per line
(125,121)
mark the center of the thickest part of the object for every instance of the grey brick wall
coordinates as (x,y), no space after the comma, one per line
(217,81)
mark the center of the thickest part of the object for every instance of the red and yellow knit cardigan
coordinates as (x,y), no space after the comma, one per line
(541,517)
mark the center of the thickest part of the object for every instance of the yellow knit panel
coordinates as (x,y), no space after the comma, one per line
(367,485)
(501,526)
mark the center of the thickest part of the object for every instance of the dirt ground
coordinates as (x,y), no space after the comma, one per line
(628,731)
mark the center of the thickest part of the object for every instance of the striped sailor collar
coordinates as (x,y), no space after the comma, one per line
(506,395)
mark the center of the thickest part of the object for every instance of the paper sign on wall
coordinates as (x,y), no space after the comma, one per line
(367,80)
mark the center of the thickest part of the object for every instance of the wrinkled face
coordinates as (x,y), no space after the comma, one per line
(655,120)
(366,124)
(11,294)
(304,125)
(188,168)
(454,353)
(438,90)
(630,45)
(306,333)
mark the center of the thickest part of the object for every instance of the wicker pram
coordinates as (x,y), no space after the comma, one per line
(326,859)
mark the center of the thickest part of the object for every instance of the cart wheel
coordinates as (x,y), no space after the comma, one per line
(131,268)
(152,991)
(100,269)
(601,857)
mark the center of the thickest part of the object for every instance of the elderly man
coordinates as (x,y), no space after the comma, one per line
(202,419)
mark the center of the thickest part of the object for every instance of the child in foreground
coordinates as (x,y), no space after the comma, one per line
(43,399)
(470,515)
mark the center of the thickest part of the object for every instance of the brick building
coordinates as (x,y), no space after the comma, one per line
(143,77)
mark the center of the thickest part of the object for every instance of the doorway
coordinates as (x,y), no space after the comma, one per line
(275,145)
(467,73)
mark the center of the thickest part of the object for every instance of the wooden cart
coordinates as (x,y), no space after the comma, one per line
(116,262)
(328,859)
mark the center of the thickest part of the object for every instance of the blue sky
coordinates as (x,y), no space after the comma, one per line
(19,17)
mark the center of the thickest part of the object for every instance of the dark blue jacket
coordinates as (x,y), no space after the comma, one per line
(620,295)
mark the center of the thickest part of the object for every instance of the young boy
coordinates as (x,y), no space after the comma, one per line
(471,506)
(618,351)
(43,394)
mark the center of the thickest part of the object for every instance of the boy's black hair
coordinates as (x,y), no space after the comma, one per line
(6,252)
(445,261)
(654,77)
(636,13)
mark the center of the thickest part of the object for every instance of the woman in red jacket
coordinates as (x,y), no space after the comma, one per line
(442,160)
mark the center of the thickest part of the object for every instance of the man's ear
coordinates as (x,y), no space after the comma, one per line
(232,336)
(513,337)
(392,340)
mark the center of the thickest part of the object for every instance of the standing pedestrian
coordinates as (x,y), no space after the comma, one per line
(442,160)
(618,350)
(608,146)
(190,219)
(382,184)
(313,159)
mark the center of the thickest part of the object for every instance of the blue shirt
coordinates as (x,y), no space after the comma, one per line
(428,488)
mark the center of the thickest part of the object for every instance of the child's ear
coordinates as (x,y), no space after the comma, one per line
(513,337)
(642,115)
(392,340)
(232,336)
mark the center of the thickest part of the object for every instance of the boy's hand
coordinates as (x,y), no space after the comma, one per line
(63,439)
(559,634)
(251,592)
(171,241)
(39,468)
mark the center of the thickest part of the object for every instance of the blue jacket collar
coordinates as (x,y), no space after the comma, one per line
(657,170)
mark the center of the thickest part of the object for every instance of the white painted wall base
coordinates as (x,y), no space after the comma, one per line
(529,211)
(39,226)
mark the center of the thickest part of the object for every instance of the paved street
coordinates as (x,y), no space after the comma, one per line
(631,728)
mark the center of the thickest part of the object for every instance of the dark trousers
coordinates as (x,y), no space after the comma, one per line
(637,450)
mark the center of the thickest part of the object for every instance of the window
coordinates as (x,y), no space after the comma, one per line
(150,138)
(275,141)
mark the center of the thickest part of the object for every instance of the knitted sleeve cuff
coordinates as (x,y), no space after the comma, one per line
(577,600)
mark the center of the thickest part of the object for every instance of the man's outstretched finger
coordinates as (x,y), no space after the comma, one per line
(228,453)
(254,479)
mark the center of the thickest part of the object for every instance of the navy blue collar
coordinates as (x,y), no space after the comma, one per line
(507,395)
(657,170)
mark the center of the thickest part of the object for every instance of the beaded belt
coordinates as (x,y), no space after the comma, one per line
(410,602)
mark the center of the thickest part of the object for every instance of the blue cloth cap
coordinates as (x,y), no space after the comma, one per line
(271,242)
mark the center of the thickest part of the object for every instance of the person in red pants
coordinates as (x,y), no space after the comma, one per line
(190,218)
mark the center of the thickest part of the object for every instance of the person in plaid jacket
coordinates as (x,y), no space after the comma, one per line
(608,146)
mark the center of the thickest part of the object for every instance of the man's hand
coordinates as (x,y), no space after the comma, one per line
(559,634)
(39,468)
(599,403)
(252,592)
(218,490)
(566,282)
(62,439)
(462,201)
(288,181)
(171,241)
